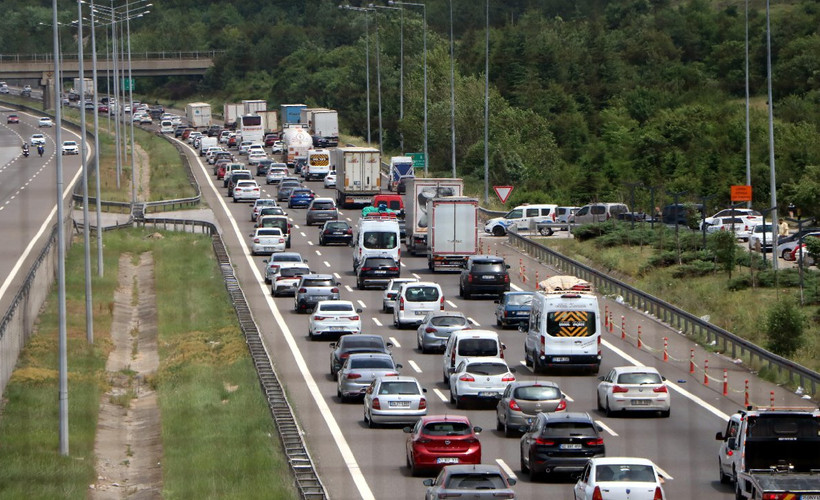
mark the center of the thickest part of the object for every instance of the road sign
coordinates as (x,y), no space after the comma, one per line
(503,192)
(741,193)
(128,84)
(418,159)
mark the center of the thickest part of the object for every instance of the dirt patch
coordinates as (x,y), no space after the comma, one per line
(128,445)
(143,165)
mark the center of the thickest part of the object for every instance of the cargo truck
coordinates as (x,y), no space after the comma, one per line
(358,175)
(401,169)
(270,120)
(297,142)
(231,113)
(453,231)
(198,114)
(419,192)
(88,86)
(306,116)
(254,106)
(291,113)
(324,128)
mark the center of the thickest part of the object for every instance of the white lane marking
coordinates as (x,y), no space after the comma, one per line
(395,341)
(417,276)
(451,304)
(566,396)
(347,287)
(441,395)
(364,306)
(516,287)
(471,320)
(318,253)
(402,264)
(604,426)
(683,392)
(378,323)
(313,388)
(349,219)
(414,366)
(310,243)
(664,473)
(303,234)
(336,275)
(506,468)
(327,264)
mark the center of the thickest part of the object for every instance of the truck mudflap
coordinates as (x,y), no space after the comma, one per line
(435,262)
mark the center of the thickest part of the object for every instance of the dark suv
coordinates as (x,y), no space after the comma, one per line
(378,270)
(484,274)
(560,442)
(238,175)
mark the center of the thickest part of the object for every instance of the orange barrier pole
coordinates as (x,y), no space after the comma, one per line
(706,371)
(771,399)
(666,349)
(691,361)
(640,343)
(746,398)
(606,316)
(611,323)
(725,382)
(623,328)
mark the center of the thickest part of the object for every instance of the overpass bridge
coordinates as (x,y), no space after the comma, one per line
(41,66)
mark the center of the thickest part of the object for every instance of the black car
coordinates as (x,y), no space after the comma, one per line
(335,231)
(484,274)
(299,165)
(238,175)
(352,344)
(376,270)
(560,443)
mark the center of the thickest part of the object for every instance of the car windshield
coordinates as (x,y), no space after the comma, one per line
(486,368)
(372,363)
(639,378)
(448,321)
(317,282)
(519,299)
(568,429)
(337,307)
(488,267)
(536,393)
(447,429)
(475,482)
(290,272)
(383,240)
(625,473)
(477,347)
(421,294)
(399,388)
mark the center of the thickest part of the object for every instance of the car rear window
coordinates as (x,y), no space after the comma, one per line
(639,378)
(317,282)
(323,205)
(290,272)
(476,482)
(477,347)
(379,262)
(354,342)
(301,191)
(487,368)
(519,299)
(448,321)
(571,324)
(399,388)
(336,308)
(447,429)
(372,363)
(380,240)
(338,226)
(536,393)
(569,429)
(270,231)
(421,294)
(286,257)
(489,267)
(625,473)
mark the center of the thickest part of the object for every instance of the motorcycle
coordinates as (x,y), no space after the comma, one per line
(40,150)
(25,153)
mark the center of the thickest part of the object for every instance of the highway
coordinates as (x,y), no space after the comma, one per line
(357,462)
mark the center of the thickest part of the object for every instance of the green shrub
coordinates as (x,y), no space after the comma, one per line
(739,283)
(785,323)
(785,278)
(694,268)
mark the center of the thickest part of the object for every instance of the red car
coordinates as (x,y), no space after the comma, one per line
(270,139)
(13,118)
(439,440)
(102,109)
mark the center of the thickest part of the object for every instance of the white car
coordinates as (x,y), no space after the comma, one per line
(330,180)
(756,238)
(633,388)
(276,172)
(747,216)
(244,146)
(278,147)
(246,191)
(389,294)
(479,379)
(259,205)
(256,147)
(285,278)
(70,148)
(394,400)
(45,122)
(267,240)
(193,137)
(278,259)
(741,231)
(784,250)
(334,317)
(621,478)
(37,139)
(254,157)
(414,300)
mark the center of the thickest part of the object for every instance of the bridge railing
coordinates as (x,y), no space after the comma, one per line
(49,56)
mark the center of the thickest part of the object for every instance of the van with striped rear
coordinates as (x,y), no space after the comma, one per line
(564,330)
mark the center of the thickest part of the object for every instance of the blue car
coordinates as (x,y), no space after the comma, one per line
(513,309)
(300,197)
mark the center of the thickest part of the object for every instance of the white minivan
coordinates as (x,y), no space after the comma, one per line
(521,218)
(378,235)
(166,127)
(414,300)
(469,344)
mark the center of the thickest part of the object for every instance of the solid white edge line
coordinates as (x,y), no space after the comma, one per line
(414,366)
(441,395)
(606,428)
(395,342)
(506,468)
(338,436)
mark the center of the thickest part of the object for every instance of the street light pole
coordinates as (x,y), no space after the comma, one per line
(131,99)
(487,104)
(401,72)
(452,93)
(100,271)
(89,308)
(772,185)
(366,58)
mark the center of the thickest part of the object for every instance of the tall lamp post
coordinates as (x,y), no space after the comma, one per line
(401,71)
(452,93)
(424,35)
(487,104)
(366,57)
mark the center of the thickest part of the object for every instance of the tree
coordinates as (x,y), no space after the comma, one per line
(785,323)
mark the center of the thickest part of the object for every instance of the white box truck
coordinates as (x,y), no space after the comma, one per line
(453,231)
(358,175)
(325,128)
(254,106)
(198,114)
(231,113)
(419,192)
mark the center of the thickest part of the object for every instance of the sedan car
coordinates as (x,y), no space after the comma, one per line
(620,478)
(352,344)
(300,198)
(470,481)
(259,204)
(37,139)
(523,400)
(284,191)
(436,327)
(285,279)
(13,118)
(394,400)
(314,288)
(334,318)
(560,442)
(785,247)
(246,191)
(335,232)
(359,370)
(320,211)
(267,240)
(276,172)
(272,264)
(633,388)
(439,440)
(45,122)
(70,148)
(513,309)
(480,379)
(330,180)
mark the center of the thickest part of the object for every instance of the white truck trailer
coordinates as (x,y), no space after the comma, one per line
(358,175)
(452,232)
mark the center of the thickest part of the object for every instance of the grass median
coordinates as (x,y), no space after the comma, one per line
(218,438)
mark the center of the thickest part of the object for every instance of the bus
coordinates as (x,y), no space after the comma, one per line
(251,128)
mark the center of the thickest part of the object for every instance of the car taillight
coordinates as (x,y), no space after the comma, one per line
(562,405)
(469,278)
(367,269)
(422,404)
(334,290)
(596,495)
(441,303)
(506,278)
(466,378)
(616,389)
(595,442)
(303,290)
(256,240)
(660,389)
(401,306)
(430,329)
(353,318)
(659,494)
(393,269)
(514,405)
(344,355)
(354,375)
(545,442)
(508,378)
(376,405)
(349,231)
(280,278)
(393,374)
(320,318)
(766,496)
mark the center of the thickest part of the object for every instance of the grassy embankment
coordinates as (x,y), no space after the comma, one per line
(218,437)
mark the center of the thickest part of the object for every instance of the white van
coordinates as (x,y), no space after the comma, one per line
(318,164)
(166,127)
(469,344)
(564,331)
(521,218)
(378,235)
(414,300)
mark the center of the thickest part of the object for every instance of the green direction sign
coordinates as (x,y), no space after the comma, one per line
(128,84)
(418,159)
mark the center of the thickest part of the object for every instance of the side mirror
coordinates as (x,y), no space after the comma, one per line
(389,345)
(513,369)
(524,429)
(477,429)
(338,283)
(332,345)
(503,347)
(423,389)
(250,234)
(265,261)
(600,429)
(428,482)
(507,266)
(398,365)
(407,430)
(305,261)
(601,378)
(359,310)
(496,301)
(511,481)
(719,436)
(522,329)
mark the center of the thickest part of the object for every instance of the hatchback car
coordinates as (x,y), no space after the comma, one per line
(439,440)
(389,294)
(359,370)
(484,274)
(633,388)
(300,197)
(334,318)
(414,300)
(262,166)
(330,180)
(560,442)
(284,191)
(267,240)
(276,172)
(523,400)
(321,210)
(470,481)
(45,122)
(436,328)
(285,278)
(70,148)
(259,204)
(394,400)
(620,478)
(314,288)
(479,380)
(13,118)
(352,344)
(376,271)
(335,231)
(513,309)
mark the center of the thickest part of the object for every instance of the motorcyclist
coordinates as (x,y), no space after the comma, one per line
(40,149)
(25,149)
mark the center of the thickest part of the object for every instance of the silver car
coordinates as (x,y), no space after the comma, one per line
(359,370)
(470,481)
(352,344)
(314,288)
(389,294)
(436,327)
(286,276)
(394,400)
(272,264)
(524,400)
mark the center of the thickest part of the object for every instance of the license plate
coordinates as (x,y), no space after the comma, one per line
(809,497)
(571,446)
(488,277)
(447,460)
(379,272)
(399,404)
(640,402)
(421,313)
(488,394)
(560,359)
(336,328)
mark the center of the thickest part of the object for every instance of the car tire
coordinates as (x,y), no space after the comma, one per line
(665,414)
(498,425)
(534,476)
(359,284)
(724,478)
(499,323)
(460,403)
(467,294)
(524,468)
(598,401)
(527,358)
(452,397)
(499,231)
(507,431)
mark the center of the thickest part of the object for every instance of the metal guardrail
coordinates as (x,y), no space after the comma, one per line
(49,56)
(687,323)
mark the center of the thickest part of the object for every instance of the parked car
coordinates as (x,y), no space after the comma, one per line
(321,210)
(394,400)
(353,344)
(267,240)
(470,481)
(728,224)
(484,274)
(436,328)
(314,288)
(359,370)
(285,278)
(272,264)
(513,309)
(801,255)
(334,318)
(376,270)
(335,231)
(748,216)
(300,197)
(481,379)
(598,212)
(560,443)
(786,246)
(439,440)
(562,214)
(760,238)
(389,295)
(620,477)
(524,399)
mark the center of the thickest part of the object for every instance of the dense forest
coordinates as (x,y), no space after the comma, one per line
(586,97)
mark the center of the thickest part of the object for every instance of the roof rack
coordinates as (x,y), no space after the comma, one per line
(562,284)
